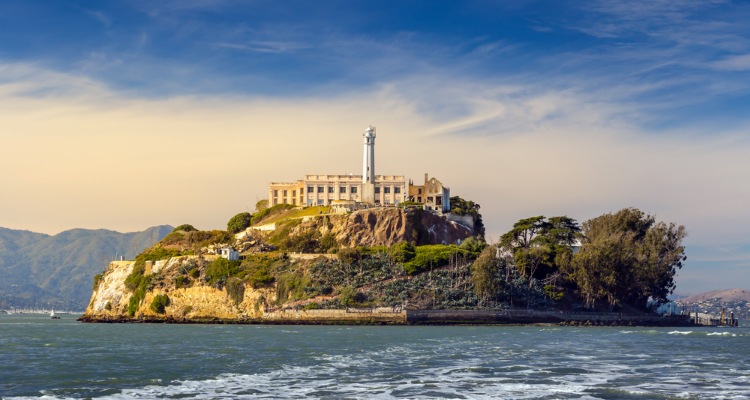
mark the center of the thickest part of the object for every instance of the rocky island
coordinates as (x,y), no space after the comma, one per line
(391,265)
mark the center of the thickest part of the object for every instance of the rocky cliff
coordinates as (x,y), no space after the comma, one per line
(377,268)
(203,302)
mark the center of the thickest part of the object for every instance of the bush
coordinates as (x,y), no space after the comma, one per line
(260,277)
(347,296)
(349,255)
(159,303)
(432,256)
(184,227)
(402,252)
(181,281)
(474,246)
(97,280)
(291,286)
(220,270)
(239,222)
(139,293)
(108,306)
(236,290)
(133,280)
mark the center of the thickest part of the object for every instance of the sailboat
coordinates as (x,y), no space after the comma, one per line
(53,315)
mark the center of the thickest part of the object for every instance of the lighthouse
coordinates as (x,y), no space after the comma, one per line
(368,165)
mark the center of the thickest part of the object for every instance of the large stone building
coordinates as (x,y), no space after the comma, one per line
(368,188)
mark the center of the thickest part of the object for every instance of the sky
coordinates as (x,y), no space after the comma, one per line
(129,114)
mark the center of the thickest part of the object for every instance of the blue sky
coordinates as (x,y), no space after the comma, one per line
(528,107)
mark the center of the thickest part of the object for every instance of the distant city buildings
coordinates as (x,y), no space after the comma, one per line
(348,192)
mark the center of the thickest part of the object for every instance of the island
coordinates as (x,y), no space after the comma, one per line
(382,249)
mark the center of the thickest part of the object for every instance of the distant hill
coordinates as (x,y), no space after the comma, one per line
(43,271)
(726,296)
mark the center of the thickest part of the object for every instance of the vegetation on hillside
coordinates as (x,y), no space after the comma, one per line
(612,262)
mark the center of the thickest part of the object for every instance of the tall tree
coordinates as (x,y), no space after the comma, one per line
(627,257)
(540,246)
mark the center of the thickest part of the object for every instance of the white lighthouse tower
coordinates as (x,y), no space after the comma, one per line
(368,165)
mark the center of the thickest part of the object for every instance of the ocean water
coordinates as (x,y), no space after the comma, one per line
(61,359)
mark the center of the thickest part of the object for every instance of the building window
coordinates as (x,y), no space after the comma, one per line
(275,193)
(353,190)
(310,189)
(294,193)
(320,202)
(377,189)
(321,189)
(387,190)
(330,189)
(342,189)
(419,191)
(419,199)
(285,193)
(439,200)
(397,190)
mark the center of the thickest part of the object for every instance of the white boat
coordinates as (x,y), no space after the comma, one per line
(53,315)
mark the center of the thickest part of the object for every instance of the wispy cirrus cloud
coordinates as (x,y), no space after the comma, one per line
(733,63)
(265,46)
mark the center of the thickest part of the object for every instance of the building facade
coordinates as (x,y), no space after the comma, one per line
(432,194)
(368,188)
(321,190)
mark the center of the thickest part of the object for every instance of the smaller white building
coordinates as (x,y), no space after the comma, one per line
(230,254)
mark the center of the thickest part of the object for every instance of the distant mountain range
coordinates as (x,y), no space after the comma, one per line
(728,295)
(43,271)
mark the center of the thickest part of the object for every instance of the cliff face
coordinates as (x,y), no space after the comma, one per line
(110,299)
(388,226)
(202,302)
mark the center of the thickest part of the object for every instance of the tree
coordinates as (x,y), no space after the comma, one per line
(539,246)
(460,206)
(627,258)
(486,275)
(239,222)
(261,205)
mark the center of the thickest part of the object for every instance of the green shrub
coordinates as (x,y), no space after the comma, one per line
(347,296)
(349,255)
(402,252)
(181,281)
(108,306)
(220,270)
(432,256)
(260,277)
(195,273)
(139,293)
(552,293)
(236,289)
(239,222)
(159,303)
(98,280)
(133,280)
(185,227)
(291,286)
(473,245)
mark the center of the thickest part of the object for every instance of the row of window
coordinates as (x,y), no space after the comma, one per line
(332,189)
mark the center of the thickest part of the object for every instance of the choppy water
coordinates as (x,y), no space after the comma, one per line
(43,358)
